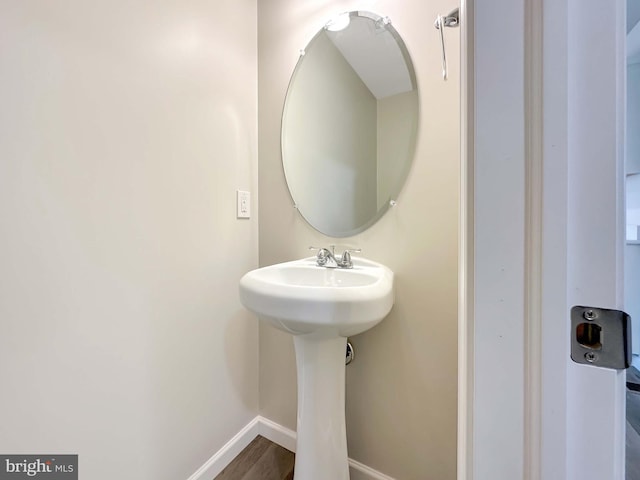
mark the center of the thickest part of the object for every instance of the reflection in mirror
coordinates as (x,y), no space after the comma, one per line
(350,123)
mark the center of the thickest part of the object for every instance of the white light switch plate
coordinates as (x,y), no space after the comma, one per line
(243,201)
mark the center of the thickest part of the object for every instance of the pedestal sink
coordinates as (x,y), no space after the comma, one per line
(320,307)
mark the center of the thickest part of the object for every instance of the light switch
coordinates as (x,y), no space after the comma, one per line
(243,204)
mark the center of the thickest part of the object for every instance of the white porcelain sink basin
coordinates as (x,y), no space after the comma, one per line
(321,307)
(300,297)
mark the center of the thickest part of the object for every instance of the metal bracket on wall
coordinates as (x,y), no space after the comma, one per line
(452,20)
(601,337)
(350,353)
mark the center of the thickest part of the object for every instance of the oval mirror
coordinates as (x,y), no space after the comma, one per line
(349,124)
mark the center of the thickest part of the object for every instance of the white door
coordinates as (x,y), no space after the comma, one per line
(545,231)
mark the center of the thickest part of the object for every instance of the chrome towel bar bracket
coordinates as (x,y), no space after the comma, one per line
(452,20)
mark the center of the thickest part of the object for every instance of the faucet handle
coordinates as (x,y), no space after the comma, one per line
(319,249)
(345,260)
(323,257)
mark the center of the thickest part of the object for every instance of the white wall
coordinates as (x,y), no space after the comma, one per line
(125,129)
(632,167)
(632,139)
(402,387)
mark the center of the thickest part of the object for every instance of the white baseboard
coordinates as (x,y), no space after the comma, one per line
(359,471)
(228,452)
(279,435)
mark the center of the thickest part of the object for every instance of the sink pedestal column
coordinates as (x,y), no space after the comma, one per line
(321,446)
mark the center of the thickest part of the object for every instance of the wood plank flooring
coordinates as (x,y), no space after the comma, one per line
(261,460)
(633,425)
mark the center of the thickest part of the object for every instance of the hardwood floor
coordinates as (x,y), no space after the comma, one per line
(261,460)
(633,425)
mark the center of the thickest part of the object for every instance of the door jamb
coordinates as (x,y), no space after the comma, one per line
(546,138)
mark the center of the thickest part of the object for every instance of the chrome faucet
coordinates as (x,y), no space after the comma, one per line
(327,258)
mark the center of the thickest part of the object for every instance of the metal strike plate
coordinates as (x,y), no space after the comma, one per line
(601,337)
